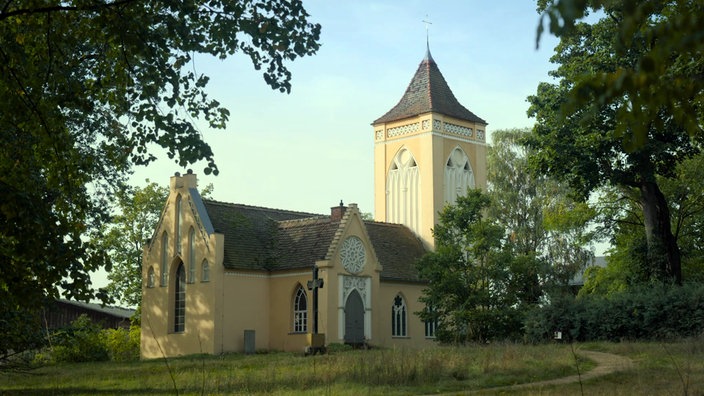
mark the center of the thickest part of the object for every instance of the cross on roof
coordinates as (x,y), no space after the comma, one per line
(427,23)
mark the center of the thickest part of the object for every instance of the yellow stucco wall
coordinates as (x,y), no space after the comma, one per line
(431,145)
(219,311)
(158,336)
(283,288)
(415,337)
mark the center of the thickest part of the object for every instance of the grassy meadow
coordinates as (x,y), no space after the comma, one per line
(659,368)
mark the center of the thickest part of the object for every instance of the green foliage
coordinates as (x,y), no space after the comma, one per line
(468,276)
(664,40)
(86,89)
(80,342)
(122,344)
(86,341)
(19,327)
(543,223)
(606,122)
(653,311)
(620,214)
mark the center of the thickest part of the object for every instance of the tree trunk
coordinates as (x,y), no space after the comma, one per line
(663,252)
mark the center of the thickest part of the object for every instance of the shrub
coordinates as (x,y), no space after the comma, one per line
(80,342)
(122,344)
(85,341)
(646,312)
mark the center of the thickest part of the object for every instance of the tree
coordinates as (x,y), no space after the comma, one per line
(468,275)
(86,87)
(621,216)
(541,220)
(596,141)
(664,39)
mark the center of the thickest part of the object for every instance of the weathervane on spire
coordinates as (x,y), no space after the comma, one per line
(427,23)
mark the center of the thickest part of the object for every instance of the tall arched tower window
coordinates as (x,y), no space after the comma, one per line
(180,300)
(403,201)
(458,175)
(300,311)
(164,258)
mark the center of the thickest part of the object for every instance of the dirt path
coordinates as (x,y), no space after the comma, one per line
(606,363)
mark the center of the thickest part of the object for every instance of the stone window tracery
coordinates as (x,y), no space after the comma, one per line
(398,317)
(403,191)
(458,175)
(300,311)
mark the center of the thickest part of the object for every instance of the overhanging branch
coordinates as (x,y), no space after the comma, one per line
(44,10)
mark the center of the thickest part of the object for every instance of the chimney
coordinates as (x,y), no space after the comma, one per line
(189,180)
(336,212)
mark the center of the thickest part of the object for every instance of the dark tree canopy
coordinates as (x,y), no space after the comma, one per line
(663,79)
(86,86)
(599,126)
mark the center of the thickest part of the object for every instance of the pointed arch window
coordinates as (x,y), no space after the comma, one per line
(300,311)
(191,255)
(458,175)
(180,300)
(177,225)
(431,323)
(151,277)
(398,317)
(205,272)
(164,259)
(403,191)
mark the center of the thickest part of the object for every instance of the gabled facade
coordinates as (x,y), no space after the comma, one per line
(216,271)
(229,268)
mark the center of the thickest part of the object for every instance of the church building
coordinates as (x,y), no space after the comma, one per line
(223,277)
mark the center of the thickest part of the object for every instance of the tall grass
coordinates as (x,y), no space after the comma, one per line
(381,371)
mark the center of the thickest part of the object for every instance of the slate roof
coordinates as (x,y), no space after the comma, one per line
(397,249)
(300,243)
(428,92)
(267,239)
(249,232)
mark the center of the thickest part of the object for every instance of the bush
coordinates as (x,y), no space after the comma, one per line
(85,341)
(650,312)
(122,344)
(80,342)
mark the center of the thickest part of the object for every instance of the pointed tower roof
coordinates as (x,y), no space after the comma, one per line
(428,92)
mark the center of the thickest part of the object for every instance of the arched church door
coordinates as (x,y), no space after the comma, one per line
(354,319)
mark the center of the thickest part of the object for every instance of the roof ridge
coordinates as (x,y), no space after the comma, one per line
(245,206)
(291,222)
(384,223)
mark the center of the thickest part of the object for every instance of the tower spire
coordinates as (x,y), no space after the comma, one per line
(427,23)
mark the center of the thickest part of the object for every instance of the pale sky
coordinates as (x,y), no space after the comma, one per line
(310,149)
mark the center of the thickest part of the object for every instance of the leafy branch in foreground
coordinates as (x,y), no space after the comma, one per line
(86,90)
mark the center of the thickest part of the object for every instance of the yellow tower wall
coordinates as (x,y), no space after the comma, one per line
(430,138)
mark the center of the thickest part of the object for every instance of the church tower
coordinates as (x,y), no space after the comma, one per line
(428,150)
